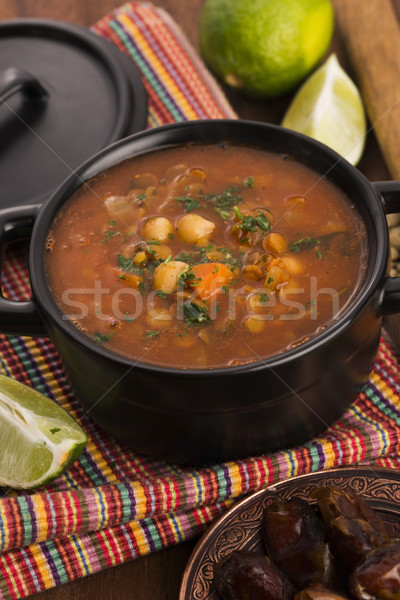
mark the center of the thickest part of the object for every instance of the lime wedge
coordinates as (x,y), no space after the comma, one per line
(328,108)
(38,439)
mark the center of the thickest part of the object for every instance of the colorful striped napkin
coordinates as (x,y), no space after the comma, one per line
(113,504)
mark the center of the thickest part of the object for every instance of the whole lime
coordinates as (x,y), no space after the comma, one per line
(264,47)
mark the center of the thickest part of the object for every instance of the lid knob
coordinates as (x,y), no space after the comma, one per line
(14,80)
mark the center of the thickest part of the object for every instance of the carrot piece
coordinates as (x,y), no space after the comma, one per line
(209,278)
(130,279)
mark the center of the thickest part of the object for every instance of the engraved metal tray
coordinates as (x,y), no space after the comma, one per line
(240,527)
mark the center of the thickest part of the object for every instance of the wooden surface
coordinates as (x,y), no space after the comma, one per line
(371,39)
(157,576)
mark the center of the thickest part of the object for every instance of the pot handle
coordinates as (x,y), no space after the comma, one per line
(18,318)
(389,191)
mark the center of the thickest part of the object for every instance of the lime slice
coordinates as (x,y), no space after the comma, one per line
(38,439)
(328,108)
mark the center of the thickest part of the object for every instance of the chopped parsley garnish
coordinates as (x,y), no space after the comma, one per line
(110,234)
(54,430)
(246,223)
(303,244)
(127,235)
(223,202)
(186,278)
(101,338)
(344,291)
(188,257)
(189,202)
(195,314)
(249,182)
(251,223)
(224,213)
(127,264)
(152,333)
(264,298)
(161,294)
(262,221)
(319,254)
(149,250)
(128,319)
(199,255)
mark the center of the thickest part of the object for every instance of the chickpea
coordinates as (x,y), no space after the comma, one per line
(254,324)
(157,228)
(166,275)
(150,191)
(158,317)
(274,242)
(394,253)
(119,207)
(297,200)
(130,250)
(253,272)
(161,251)
(186,341)
(275,276)
(145,180)
(193,228)
(174,171)
(395,236)
(257,302)
(139,257)
(292,264)
(253,257)
(131,279)
(197,174)
(204,336)
(393,220)
(137,198)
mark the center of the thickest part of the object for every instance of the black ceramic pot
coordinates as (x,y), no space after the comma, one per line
(201,416)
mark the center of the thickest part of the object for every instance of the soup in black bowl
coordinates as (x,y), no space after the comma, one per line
(206,256)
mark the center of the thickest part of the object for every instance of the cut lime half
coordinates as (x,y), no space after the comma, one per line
(328,107)
(38,439)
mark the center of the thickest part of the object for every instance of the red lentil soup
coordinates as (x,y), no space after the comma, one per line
(205,256)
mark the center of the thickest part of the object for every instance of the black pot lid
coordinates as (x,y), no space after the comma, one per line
(65,93)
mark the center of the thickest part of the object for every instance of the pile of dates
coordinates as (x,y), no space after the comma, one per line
(335,548)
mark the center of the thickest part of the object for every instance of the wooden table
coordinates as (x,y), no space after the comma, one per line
(157,577)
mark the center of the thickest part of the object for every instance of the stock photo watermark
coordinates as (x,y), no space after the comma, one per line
(294,303)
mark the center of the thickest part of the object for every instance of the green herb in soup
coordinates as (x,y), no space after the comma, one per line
(205,256)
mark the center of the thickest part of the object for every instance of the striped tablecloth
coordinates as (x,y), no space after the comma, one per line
(114,505)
